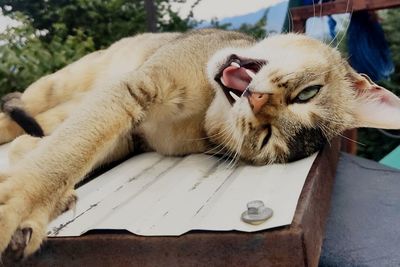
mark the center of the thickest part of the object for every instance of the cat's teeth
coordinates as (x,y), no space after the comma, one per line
(234,96)
(223,82)
(235,64)
(250,73)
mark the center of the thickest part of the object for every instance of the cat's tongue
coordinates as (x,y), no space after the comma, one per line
(236,78)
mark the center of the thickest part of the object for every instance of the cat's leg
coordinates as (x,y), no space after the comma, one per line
(22,107)
(40,125)
(30,190)
(9,129)
(24,144)
(21,146)
(67,201)
(64,85)
(18,149)
(52,118)
(51,90)
(48,121)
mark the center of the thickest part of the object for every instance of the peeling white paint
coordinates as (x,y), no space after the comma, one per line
(153,195)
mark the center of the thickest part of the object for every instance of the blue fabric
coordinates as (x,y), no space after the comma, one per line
(308,2)
(368,50)
(332,26)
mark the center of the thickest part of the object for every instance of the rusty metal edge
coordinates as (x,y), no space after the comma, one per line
(299,15)
(342,6)
(296,245)
(315,205)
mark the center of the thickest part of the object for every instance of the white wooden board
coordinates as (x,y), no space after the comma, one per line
(153,195)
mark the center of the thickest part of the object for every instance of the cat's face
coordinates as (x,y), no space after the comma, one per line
(280,100)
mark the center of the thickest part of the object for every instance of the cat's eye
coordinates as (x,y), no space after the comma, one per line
(307,94)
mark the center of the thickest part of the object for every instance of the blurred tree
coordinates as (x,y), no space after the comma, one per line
(391,26)
(25,58)
(258,30)
(215,23)
(151,15)
(54,33)
(104,21)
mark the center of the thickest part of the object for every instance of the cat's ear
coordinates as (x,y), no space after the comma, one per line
(375,106)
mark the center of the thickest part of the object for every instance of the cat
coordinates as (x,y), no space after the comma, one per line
(206,91)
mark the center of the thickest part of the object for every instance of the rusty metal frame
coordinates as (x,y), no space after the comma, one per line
(298,244)
(301,14)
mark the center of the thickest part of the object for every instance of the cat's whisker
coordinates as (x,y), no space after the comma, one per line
(227,137)
(198,139)
(314,14)
(352,140)
(288,74)
(213,149)
(347,26)
(235,158)
(233,153)
(290,21)
(204,138)
(320,15)
(239,150)
(325,131)
(217,134)
(239,153)
(337,33)
(330,70)
(222,149)
(221,145)
(231,156)
(226,156)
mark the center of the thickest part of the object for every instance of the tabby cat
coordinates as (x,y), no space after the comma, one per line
(212,91)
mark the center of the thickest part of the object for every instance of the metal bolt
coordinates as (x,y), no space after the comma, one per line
(256,212)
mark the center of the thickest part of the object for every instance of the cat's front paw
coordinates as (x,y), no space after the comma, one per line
(16,248)
(24,214)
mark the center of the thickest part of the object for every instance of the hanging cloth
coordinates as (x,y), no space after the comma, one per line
(368,49)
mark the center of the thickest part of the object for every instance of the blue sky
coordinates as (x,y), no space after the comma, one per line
(208,9)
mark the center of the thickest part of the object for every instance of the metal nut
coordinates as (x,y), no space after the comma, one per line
(256,212)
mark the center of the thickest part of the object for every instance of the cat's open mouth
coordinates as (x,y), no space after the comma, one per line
(236,74)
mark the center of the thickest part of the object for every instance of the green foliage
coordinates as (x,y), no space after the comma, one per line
(175,23)
(215,23)
(391,26)
(25,57)
(104,21)
(257,30)
(54,33)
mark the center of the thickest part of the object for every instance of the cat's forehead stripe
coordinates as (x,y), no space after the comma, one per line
(293,81)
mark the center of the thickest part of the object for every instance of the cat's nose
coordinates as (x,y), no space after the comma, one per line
(257,101)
